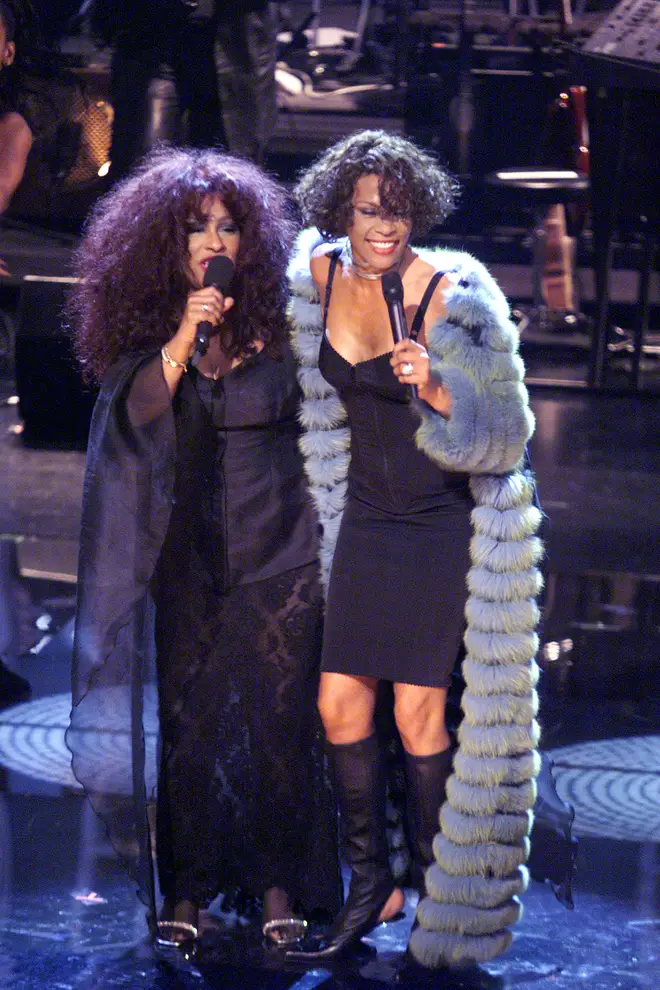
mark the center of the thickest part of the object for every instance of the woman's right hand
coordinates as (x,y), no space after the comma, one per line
(207,304)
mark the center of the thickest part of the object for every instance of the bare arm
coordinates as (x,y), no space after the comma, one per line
(15,144)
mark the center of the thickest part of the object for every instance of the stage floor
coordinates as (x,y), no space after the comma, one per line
(69,917)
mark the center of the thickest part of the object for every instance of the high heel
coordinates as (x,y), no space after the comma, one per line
(281,925)
(179,924)
(360,788)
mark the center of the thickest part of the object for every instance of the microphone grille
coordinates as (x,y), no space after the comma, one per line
(219,272)
(392,287)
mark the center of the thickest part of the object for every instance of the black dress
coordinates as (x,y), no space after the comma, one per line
(242,796)
(397,587)
(243,799)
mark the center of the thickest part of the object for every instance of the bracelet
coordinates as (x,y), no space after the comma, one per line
(167,357)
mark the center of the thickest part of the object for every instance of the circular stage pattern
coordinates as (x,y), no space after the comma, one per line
(613,784)
(32,741)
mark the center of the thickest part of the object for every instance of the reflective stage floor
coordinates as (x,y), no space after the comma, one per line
(69,917)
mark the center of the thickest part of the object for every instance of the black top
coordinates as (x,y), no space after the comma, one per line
(260,514)
(241,500)
(387,470)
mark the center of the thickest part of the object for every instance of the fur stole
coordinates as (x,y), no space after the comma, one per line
(480,851)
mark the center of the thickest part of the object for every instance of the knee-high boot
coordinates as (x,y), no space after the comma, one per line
(426,777)
(360,788)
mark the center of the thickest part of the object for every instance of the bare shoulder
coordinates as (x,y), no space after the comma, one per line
(319,264)
(15,144)
(321,254)
(420,274)
(421,270)
(15,128)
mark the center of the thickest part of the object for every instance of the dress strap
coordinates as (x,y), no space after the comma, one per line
(334,258)
(424,305)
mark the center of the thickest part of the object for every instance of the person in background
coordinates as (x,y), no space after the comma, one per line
(199,541)
(245,57)
(201,74)
(15,131)
(15,144)
(162,75)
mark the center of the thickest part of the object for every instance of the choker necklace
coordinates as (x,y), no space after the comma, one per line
(370,276)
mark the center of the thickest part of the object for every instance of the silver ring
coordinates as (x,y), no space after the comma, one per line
(407,368)
(205,307)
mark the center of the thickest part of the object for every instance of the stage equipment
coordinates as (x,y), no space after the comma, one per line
(54,404)
(620,65)
(601,634)
(542,190)
(480,83)
(328,53)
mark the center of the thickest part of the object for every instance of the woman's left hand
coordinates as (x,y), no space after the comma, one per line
(412,366)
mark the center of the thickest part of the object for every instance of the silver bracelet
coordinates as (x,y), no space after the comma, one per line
(167,357)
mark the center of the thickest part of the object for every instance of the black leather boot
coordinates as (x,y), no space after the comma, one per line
(426,777)
(360,789)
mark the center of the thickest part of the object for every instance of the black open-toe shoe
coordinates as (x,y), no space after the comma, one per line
(281,925)
(283,932)
(178,925)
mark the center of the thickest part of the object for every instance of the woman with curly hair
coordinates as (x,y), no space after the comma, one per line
(395,474)
(199,546)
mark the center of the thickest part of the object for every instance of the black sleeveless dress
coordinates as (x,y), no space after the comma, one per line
(397,591)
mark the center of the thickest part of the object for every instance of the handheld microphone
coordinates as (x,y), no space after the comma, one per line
(393,291)
(218,273)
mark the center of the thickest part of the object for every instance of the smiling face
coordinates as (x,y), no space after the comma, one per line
(215,233)
(378,241)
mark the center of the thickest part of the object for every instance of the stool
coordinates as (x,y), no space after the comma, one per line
(539,189)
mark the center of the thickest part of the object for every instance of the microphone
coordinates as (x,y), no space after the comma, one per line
(219,273)
(393,291)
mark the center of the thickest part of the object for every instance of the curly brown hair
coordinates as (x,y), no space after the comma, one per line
(412,183)
(132,263)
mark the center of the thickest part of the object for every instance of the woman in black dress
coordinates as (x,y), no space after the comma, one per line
(396,493)
(199,539)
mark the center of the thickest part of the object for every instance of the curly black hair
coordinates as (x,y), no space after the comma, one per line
(412,183)
(132,262)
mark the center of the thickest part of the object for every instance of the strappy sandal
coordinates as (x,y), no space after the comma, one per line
(284,931)
(281,927)
(178,931)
